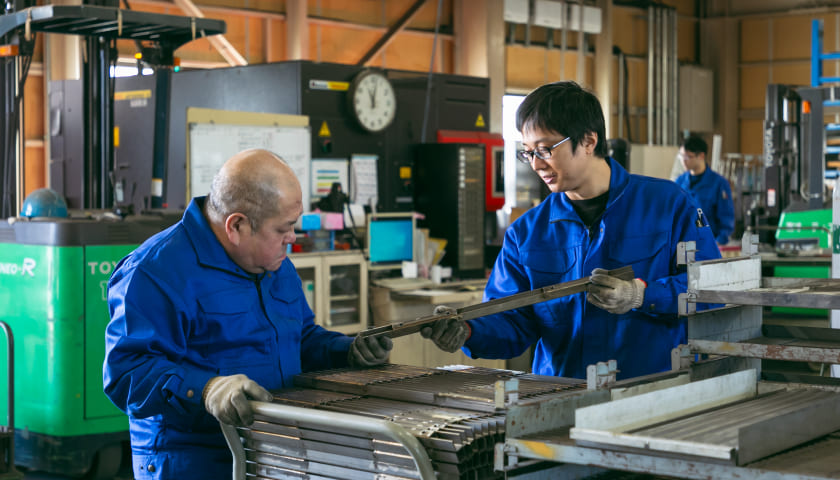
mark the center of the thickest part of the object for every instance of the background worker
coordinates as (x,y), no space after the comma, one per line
(209,314)
(597,217)
(710,190)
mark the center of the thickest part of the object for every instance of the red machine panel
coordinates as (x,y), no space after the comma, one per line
(494,150)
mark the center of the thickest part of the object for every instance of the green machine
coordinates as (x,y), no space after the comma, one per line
(804,234)
(53,282)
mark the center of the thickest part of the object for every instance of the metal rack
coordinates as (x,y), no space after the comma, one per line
(722,425)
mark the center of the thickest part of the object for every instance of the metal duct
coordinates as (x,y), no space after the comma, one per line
(662,76)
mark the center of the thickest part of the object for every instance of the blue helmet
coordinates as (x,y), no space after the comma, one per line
(44,202)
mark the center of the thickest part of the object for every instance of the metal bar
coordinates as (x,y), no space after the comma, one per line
(497,305)
(767,351)
(773,298)
(634,412)
(385,39)
(329,419)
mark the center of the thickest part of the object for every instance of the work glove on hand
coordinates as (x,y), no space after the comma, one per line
(614,294)
(369,351)
(226,398)
(449,334)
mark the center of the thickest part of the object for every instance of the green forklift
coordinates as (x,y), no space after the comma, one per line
(54,267)
(54,274)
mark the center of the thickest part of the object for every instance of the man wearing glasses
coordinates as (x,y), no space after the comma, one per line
(598,217)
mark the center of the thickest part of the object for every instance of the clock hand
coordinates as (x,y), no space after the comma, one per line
(373,97)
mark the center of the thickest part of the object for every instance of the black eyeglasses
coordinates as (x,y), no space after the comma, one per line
(543,153)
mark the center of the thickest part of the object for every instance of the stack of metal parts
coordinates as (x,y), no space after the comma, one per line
(455,414)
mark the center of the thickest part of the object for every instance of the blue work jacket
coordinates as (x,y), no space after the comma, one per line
(713,194)
(183,312)
(644,220)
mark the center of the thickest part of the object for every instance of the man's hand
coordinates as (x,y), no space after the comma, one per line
(226,398)
(613,294)
(369,351)
(449,334)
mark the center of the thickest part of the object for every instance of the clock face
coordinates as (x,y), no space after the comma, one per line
(373,101)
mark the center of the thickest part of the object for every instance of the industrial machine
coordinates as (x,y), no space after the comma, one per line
(450,194)
(54,270)
(152,117)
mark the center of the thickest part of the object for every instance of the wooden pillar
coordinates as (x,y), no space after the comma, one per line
(603,76)
(297,30)
(480,48)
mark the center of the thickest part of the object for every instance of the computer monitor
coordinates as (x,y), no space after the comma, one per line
(390,239)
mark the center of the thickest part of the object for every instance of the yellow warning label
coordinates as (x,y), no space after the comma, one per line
(116,136)
(479,122)
(325,130)
(132,94)
(405,172)
(329,85)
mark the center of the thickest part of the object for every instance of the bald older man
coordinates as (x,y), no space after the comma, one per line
(209,314)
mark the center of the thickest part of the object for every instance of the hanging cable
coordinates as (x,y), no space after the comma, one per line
(431,70)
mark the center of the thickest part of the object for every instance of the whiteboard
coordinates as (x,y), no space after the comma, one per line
(211,144)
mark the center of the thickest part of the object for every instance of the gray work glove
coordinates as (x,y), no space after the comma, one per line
(226,398)
(449,334)
(614,294)
(369,351)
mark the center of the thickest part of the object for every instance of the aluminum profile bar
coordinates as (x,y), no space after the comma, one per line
(764,348)
(781,292)
(327,420)
(497,305)
(635,412)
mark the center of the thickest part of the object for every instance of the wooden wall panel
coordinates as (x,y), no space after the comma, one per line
(630,30)
(751,136)
(34,170)
(792,73)
(684,7)
(637,84)
(753,88)
(358,11)
(341,45)
(255,48)
(525,67)
(754,39)
(33,108)
(277,40)
(686,40)
(791,37)
(377,12)
(394,56)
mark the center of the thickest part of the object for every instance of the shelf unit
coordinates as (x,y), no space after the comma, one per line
(336,287)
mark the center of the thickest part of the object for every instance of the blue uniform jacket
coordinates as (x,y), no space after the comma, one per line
(713,194)
(183,312)
(643,221)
